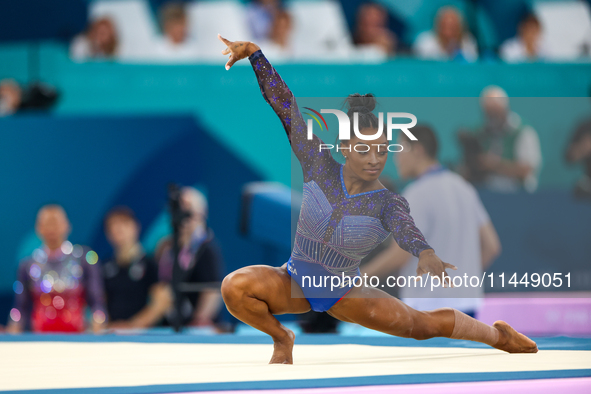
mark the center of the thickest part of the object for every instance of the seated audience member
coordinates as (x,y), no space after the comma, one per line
(199,258)
(175,44)
(261,16)
(135,299)
(100,41)
(11,96)
(507,154)
(372,30)
(579,151)
(37,96)
(527,45)
(448,41)
(278,45)
(57,282)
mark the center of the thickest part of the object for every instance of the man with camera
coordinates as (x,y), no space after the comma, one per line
(199,262)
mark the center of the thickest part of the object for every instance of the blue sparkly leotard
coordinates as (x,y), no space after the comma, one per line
(335,230)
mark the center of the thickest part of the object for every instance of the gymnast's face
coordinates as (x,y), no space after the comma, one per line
(366,159)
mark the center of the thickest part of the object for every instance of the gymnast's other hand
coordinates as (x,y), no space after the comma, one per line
(430,264)
(237,50)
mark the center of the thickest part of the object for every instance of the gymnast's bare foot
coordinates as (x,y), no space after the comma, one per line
(511,341)
(282,349)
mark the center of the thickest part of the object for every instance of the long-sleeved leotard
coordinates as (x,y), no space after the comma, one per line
(335,229)
(53,290)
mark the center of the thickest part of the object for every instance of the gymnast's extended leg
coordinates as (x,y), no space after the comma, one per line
(254,294)
(375,309)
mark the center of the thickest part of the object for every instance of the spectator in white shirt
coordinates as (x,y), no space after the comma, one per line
(527,45)
(175,44)
(450,214)
(100,41)
(448,40)
(510,156)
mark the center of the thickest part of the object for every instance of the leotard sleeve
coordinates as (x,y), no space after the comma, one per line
(396,219)
(281,99)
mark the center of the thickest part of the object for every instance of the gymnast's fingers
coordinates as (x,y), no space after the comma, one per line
(446,279)
(222,39)
(420,273)
(230,63)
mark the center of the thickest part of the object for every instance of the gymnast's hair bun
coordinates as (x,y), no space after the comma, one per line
(361,103)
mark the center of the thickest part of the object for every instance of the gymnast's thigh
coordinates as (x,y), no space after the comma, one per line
(375,309)
(274,286)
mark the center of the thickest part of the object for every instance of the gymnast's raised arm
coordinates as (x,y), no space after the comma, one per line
(279,97)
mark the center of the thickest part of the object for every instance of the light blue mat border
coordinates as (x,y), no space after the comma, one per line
(544,343)
(319,383)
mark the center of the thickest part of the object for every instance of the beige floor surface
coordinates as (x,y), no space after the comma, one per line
(44,365)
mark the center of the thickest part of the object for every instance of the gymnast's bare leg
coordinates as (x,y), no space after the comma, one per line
(375,309)
(254,294)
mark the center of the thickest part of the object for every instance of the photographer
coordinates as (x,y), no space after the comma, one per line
(199,260)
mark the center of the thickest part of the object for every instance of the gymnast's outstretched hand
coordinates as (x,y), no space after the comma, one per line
(237,50)
(430,264)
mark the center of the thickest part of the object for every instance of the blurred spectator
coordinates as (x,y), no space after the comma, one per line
(453,219)
(579,151)
(175,44)
(56,283)
(449,40)
(261,16)
(372,29)
(279,45)
(527,45)
(502,18)
(100,41)
(505,151)
(10,97)
(199,258)
(13,98)
(134,297)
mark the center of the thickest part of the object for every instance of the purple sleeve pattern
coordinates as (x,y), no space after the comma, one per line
(277,94)
(397,219)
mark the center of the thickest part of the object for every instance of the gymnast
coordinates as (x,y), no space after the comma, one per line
(346,212)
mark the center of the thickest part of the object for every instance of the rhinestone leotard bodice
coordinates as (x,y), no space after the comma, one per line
(335,229)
